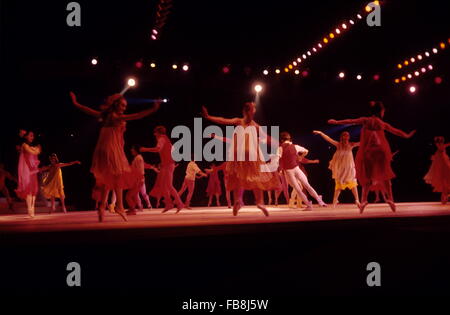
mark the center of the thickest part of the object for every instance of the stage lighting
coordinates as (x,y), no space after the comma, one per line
(265,72)
(442,45)
(359,16)
(409,75)
(277,71)
(423,70)
(331,35)
(325,40)
(297,71)
(153,37)
(314,49)
(399,66)
(358,77)
(138,64)
(319,45)
(131,82)
(226,69)
(165,100)
(416,73)
(290,66)
(308,53)
(419,57)
(341,75)
(351,22)
(412,89)
(344,26)
(94,61)
(435,51)
(413,60)
(305,73)
(258,88)
(174,67)
(438,80)
(397,81)
(304,56)
(185,68)
(403,78)
(406,63)
(152,65)
(430,67)
(337,31)
(286,70)
(154,31)
(427,54)
(376,77)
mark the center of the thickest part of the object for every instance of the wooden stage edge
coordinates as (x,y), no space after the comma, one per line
(210,217)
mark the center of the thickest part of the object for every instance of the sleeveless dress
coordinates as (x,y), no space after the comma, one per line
(248,174)
(438,175)
(342,166)
(27,174)
(374,156)
(52,185)
(110,165)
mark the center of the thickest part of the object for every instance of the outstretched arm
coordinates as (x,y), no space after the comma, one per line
(68,164)
(398,132)
(144,113)
(323,135)
(83,108)
(357,121)
(158,147)
(220,120)
(223,139)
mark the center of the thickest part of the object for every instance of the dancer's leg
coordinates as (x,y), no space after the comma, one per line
(237,195)
(337,192)
(120,209)
(143,193)
(387,187)
(293,178)
(355,195)
(259,198)
(365,194)
(210,200)
(29,207)
(304,180)
(228,196)
(183,188)
(218,200)
(190,184)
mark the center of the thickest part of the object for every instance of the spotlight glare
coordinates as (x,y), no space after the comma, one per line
(277,71)
(325,40)
(358,77)
(442,45)
(331,35)
(94,61)
(185,68)
(419,57)
(297,71)
(314,49)
(174,67)
(423,70)
(152,65)
(427,54)
(344,26)
(409,76)
(265,72)
(406,63)
(376,77)
(319,45)
(351,22)
(438,80)
(341,75)
(359,16)
(131,82)
(294,63)
(413,60)
(435,51)
(403,78)
(139,64)
(154,31)
(153,37)
(226,69)
(305,73)
(412,89)
(299,59)
(308,53)
(258,88)
(430,67)
(290,66)
(399,66)
(416,73)
(337,31)
(397,81)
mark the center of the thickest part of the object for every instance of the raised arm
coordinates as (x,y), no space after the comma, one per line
(223,139)
(83,108)
(144,113)
(328,139)
(220,120)
(398,132)
(158,147)
(357,121)
(68,164)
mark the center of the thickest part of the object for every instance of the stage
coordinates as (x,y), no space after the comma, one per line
(153,219)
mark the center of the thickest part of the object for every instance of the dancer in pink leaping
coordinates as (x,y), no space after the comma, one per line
(374,156)
(246,174)
(109,163)
(164,148)
(438,175)
(28,186)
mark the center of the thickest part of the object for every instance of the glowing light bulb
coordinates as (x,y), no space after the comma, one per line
(258,88)
(131,82)
(341,75)
(265,72)
(94,61)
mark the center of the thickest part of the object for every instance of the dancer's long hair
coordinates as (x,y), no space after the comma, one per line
(376,108)
(110,105)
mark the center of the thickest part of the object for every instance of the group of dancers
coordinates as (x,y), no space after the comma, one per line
(114,174)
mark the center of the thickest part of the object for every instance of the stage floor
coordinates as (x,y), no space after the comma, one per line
(214,216)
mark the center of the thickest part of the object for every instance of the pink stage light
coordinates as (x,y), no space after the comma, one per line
(438,80)
(341,75)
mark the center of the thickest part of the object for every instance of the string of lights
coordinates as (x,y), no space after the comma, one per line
(162,13)
(335,32)
(422,56)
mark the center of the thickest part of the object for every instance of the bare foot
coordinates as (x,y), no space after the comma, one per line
(263,209)
(237,206)
(362,206)
(392,205)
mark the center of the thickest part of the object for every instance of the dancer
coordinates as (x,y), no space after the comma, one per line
(373,159)
(342,165)
(156,191)
(192,172)
(96,195)
(214,189)
(288,160)
(438,175)
(138,170)
(246,174)
(109,163)
(28,186)
(52,186)
(3,188)
(164,148)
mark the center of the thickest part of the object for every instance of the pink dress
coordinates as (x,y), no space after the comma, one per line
(27,171)
(110,165)
(214,183)
(438,175)
(373,160)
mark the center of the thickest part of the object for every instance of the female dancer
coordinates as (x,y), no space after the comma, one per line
(28,168)
(213,188)
(109,163)
(342,165)
(156,189)
(52,186)
(3,189)
(164,148)
(138,170)
(373,160)
(247,174)
(438,175)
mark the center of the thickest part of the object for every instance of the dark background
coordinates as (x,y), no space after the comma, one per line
(42,59)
